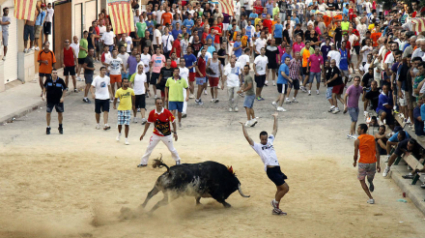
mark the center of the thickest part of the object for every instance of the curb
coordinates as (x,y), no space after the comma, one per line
(405,186)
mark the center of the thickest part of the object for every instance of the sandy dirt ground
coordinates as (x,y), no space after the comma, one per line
(75,185)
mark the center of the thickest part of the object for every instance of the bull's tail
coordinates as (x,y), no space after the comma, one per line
(158,163)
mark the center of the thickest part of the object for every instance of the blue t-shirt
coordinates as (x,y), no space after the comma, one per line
(188,24)
(280,79)
(190,60)
(238,52)
(325,50)
(175,33)
(394,138)
(343,63)
(175,23)
(282,60)
(248,31)
(278,29)
(297,21)
(209,37)
(210,49)
(386,100)
(253,15)
(419,125)
(148,24)
(269,7)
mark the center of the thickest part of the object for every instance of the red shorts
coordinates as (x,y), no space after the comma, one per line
(213,81)
(162,94)
(115,78)
(192,77)
(338,89)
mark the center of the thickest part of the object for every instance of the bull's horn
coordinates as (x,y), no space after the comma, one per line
(241,193)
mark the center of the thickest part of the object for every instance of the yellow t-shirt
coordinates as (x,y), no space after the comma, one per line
(256,21)
(125,99)
(371,26)
(306,55)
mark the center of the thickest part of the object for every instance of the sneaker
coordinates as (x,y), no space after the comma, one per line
(25,51)
(253,122)
(126,142)
(134,120)
(216,100)
(371,201)
(281,109)
(278,212)
(47,130)
(408,176)
(191,96)
(258,98)
(36,48)
(365,114)
(274,83)
(247,123)
(266,83)
(197,101)
(106,127)
(205,92)
(274,104)
(336,110)
(423,186)
(230,109)
(86,100)
(60,130)
(236,109)
(178,162)
(138,109)
(287,101)
(180,124)
(331,109)
(371,186)
(4,58)
(144,121)
(97,127)
(156,96)
(141,165)
(262,99)
(184,115)
(317,92)
(408,121)
(294,100)
(274,204)
(75,90)
(118,138)
(303,89)
(200,103)
(111,101)
(349,136)
(309,93)
(212,100)
(386,171)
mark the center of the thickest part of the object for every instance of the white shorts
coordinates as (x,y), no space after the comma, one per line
(225,26)
(402,101)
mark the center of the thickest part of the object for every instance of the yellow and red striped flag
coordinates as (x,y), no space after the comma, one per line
(121,16)
(225,6)
(25,9)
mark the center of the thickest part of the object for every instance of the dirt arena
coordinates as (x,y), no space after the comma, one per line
(74,185)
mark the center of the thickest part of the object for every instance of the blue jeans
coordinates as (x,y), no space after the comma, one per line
(359,9)
(311,79)
(111,47)
(301,18)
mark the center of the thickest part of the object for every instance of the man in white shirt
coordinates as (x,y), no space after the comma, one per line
(124,57)
(260,43)
(268,156)
(47,26)
(334,55)
(420,51)
(237,10)
(233,77)
(167,42)
(184,74)
(146,59)
(362,28)
(108,38)
(260,69)
(368,6)
(101,92)
(115,65)
(157,37)
(139,85)
(159,13)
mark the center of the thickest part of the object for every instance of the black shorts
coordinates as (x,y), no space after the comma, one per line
(278,41)
(304,71)
(154,78)
(81,60)
(280,88)
(260,80)
(40,75)
(69,70)
(357,49)
(47,28)
(276,176)
(140,101)
(295,84)
(148,78)
(58,106)
(101,105)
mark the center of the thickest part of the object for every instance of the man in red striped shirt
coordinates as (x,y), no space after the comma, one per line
(69,59)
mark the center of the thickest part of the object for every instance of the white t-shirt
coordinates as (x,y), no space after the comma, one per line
(114,65)
(267,152)
(362,28)
(191,12)
(124,58)
(368,6)
(335,55)
(49,16)
(233,75)
(376,74)
(389,59)
(249,5)
(167,41)
(102,29)
(146,59)
(156,34)
(76,48)
(237,8)
(243,59)
(139,83)
(260,43)
(158,16)
(101,86)
(129,42)
(108,38)
(184,74)
(260,64)
(367,50)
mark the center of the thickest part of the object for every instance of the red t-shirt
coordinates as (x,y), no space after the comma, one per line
(217,37)
(161,122)
(173,64)
(204,37)
(177,47)
(201,66)
(268,23)
(356,32)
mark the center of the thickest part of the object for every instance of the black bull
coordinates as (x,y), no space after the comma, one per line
(206,179)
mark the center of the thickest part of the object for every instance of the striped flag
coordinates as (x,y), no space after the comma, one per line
(418,24)
(25,9)
(224,6)
(121,16)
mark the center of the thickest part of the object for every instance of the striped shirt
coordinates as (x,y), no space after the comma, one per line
(294,68)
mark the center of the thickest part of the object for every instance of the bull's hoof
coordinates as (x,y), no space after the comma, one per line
(226,205)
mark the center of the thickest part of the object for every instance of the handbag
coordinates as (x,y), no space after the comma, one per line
(165,49)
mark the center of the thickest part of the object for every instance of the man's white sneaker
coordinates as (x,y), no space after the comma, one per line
(205,92)
(294,100)
(134,120)
(236,109)
(253,122)
(230,109)
(274,204)
(25,51)
(371,201)
(274,83)
(144,121)
(365,114)
(281,109)
(336,110)
(331,109)
(386,171)
(126,141)
(274,104)
(317,92)
(212,100)
(97,127)
(287,101)
(36,48)
(247,123)
(118,138)
(191,96)
(4,58)
(309,93)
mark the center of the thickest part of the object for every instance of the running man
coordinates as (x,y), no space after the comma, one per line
(268,155)
(369,161)
(161,119)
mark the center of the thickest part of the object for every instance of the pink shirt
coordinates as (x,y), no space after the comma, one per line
(158,62)
(297,47)
(353,96)
(316,61)
(281,51)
